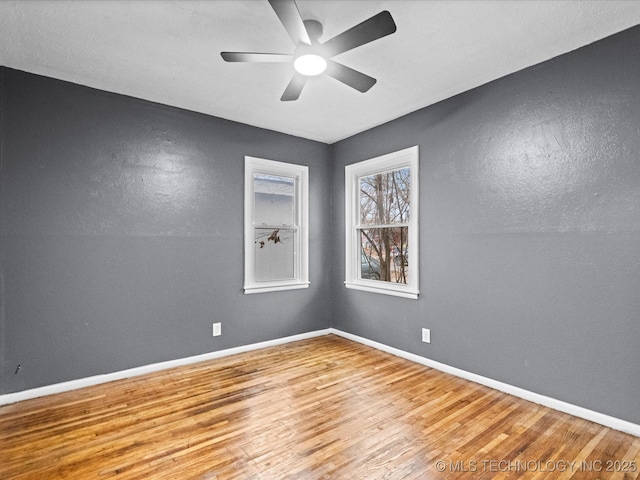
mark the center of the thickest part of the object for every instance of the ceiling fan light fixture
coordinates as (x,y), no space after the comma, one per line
(312,57)
(310,64)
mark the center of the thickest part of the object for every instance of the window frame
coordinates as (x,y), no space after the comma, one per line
(407,157)
(300,173)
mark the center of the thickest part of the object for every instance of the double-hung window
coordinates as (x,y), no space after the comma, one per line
(275,226)
(381,224)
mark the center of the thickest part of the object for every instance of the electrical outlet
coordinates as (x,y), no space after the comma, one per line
(217,329)
(426,335)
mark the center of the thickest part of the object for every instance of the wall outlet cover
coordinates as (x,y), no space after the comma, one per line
(426,335)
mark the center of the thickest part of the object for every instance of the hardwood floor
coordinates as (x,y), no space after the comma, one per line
(324,408)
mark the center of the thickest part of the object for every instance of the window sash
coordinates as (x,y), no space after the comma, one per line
(275,254)
(379,258)
(385,187)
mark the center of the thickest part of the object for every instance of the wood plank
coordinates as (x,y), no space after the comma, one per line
(320,408)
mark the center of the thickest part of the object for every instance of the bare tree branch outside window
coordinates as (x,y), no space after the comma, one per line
(384,218)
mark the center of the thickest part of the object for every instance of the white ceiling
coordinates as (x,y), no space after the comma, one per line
(169,52)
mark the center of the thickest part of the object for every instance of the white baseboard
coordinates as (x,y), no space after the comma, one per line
(134,372)
(593,416)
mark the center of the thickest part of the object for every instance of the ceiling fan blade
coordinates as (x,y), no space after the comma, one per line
(256,57)
(289,16)
(292,92)
(349,76)
(376,27)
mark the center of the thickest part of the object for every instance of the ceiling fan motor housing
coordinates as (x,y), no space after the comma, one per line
(314,30)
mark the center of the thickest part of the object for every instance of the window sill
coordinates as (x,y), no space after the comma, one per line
(275,288)
(384,290)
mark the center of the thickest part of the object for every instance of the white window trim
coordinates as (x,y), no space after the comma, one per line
(392,161)
(301,249)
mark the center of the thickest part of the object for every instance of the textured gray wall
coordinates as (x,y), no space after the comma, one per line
(122,233)
(530,230)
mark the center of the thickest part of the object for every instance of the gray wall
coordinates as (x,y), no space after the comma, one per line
(122,233)
(530,230)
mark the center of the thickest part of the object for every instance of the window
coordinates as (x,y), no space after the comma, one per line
(381,197)
(275,226)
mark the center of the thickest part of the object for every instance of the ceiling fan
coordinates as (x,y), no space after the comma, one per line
(312,57)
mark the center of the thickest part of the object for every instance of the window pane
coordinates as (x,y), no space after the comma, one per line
(274,199)
(274,254)
(384,197)
(384,254)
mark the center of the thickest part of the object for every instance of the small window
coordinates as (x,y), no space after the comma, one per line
(381,215)
(275,220)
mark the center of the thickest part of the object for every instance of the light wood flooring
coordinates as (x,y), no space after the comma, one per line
(324,408)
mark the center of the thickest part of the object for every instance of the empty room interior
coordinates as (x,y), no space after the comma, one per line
(419,259)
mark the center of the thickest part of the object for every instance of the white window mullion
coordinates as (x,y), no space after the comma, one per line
(362,226)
